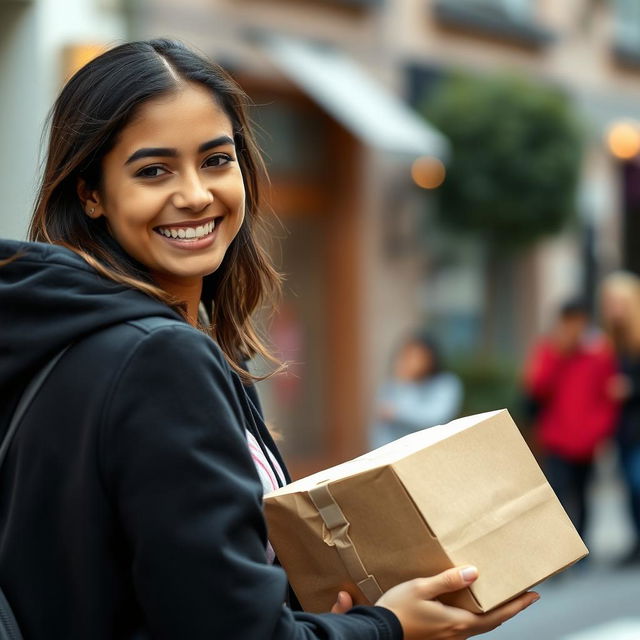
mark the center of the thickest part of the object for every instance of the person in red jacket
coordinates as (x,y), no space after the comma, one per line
(567,377)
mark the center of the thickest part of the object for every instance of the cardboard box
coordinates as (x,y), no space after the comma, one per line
(469,492)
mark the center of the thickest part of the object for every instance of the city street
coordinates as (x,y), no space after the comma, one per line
(594,604)
(595,601)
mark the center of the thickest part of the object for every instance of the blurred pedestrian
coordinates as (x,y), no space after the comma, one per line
(131,496)
(620,300)
(567,377)
(420,393)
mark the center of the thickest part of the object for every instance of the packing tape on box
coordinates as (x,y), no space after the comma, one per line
(338,527)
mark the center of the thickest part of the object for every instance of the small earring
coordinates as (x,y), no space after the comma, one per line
(91,211)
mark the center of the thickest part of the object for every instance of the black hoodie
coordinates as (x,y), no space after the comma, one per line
(129,504)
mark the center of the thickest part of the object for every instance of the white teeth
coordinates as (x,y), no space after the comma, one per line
(188,233)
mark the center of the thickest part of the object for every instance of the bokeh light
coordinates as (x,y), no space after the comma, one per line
(428,172)
(623,139)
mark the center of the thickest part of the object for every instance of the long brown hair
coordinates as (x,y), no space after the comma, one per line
(621,289)
(92,109)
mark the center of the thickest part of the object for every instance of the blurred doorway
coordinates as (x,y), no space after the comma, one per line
(312,162)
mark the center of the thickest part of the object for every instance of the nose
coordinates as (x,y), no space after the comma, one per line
(192,193)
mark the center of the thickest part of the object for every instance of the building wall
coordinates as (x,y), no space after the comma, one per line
(397,282)
(34,35)
(580,60)
(363,278)
(21,104)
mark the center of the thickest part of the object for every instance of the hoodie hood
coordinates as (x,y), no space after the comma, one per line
(50,297)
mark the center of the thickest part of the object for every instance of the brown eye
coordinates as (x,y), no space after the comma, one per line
(218,160)
(151,172)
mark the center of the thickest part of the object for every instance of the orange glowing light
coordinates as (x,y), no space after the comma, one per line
(76,56)
(623,139)
(428,172)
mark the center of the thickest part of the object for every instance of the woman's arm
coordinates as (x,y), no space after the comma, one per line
(176,465)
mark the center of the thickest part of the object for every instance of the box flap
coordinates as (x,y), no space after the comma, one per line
(387,454)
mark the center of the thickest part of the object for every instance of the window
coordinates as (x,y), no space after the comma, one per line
(293,139)
(514,9)
(362,3)
(510,20)
(354,4)
(518,7)
(627,24)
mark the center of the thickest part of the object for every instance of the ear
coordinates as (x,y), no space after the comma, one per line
(90,199)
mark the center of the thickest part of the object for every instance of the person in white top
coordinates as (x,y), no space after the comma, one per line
(419,394)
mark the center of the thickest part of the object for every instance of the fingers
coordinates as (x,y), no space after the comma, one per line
(496,617)
(343,603)
(446,582)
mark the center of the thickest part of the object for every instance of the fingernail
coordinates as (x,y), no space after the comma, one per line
(469,574)
(533,601)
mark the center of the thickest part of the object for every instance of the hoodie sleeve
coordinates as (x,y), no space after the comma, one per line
(175,463)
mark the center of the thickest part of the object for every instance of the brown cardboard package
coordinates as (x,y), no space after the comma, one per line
(469,492)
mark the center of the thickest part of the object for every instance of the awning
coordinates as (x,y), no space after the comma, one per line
(355,99)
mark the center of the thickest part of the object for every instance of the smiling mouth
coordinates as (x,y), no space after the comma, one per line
(188,233)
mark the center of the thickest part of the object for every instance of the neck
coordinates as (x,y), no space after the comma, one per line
(187,291)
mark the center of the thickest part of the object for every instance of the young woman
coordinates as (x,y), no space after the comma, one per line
(620,300)
(130,501)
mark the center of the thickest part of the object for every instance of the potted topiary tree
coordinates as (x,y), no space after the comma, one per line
(516,156)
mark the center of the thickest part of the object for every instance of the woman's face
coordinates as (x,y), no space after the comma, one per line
(414,362)
(172,189)
(616,308)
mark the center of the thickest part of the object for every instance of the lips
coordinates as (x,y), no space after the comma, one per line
(188,232)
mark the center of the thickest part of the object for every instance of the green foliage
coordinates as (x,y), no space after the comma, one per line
(516,157)
(489,384)
(494,383)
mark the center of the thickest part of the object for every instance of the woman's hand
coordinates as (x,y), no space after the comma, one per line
(423,618)
(619,387)
(343,603)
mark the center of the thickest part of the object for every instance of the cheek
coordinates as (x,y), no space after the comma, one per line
(131,211)
(239,190)
(239,203)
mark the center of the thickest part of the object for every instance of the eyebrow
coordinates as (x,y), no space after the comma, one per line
(167,152)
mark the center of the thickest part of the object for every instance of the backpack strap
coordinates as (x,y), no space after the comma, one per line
(147,324)
(9,629)
(25,400)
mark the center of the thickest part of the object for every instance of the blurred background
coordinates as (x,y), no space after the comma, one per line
(460,167)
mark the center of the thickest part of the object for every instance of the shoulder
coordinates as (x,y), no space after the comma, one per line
(156,339)
(175,351)
(445,379)
(176,378)
(599,346)
(140,360)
